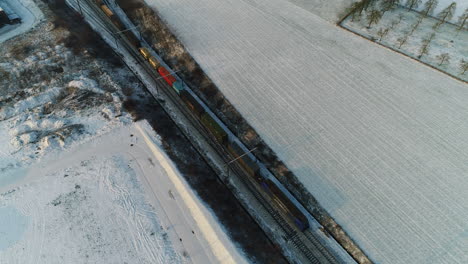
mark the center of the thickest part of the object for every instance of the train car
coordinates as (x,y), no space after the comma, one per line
(166,75)
(178,87)
(246,162)
(288,207)
(144,52)
(132,38)
(214,128)
(117,23)
(192,103)
(107,11)
(153,62)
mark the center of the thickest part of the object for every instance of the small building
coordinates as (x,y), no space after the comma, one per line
(3,17)
(7,15)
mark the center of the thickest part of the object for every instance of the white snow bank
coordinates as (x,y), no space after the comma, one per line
(86,84)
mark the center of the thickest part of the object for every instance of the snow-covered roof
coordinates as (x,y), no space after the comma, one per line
(379,139)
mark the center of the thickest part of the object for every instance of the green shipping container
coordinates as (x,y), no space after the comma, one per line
(178,87)
(214,128)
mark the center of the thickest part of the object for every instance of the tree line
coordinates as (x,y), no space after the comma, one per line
(375,9)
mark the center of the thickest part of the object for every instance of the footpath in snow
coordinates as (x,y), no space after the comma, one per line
(379,139)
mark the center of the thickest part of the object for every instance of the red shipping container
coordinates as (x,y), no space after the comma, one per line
(166,75)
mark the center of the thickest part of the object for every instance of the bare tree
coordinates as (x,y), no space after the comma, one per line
(358,8)
(429,7)
(416,25)
(424,50)
(400,17)
(463,66)
(402,40)
(444,57)
(393,24)
(446,14)
(462,19)
(374,17)
(389,5)
(382,33)
(413,4)
(368,3)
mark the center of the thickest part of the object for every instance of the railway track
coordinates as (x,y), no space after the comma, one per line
(304,242)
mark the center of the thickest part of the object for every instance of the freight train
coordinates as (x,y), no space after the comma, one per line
(220,134)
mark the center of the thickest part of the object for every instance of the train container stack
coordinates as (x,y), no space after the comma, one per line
(194,106)
(178,87)
(216,130)
(244,160)
(153,62)
(285,204)
(144,52)
(166,75)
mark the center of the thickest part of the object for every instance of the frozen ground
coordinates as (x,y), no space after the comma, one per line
(30,15)
(117,199)
(447,38)
(379,139)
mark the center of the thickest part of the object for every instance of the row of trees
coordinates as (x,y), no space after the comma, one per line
(375,9)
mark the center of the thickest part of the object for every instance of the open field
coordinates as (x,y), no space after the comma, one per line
(377,138)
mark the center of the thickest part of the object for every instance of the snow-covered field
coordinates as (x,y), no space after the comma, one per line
(379,139)
(115,199)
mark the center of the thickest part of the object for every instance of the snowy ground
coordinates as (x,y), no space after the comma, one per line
(379,139)
(30,16)
(330,10)
(90,204)
(447,38)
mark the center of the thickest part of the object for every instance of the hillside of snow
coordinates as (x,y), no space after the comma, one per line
(379,139)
